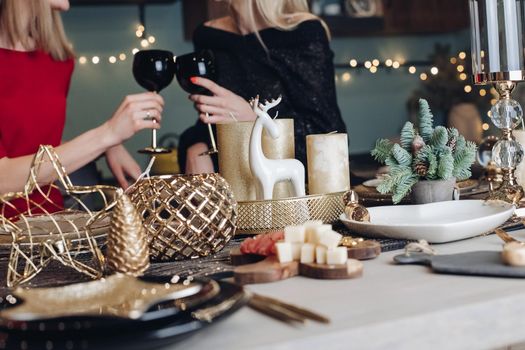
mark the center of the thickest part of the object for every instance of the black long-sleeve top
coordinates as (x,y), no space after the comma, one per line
(298,66)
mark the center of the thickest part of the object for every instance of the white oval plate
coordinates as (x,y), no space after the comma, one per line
(435,222)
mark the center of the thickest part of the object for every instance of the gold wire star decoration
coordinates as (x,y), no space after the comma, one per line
(38,236)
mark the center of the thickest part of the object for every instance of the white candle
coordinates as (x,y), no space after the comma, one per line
(493,35)
(511,35)
(475,39)
(328,169)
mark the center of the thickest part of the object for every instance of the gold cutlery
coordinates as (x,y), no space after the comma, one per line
(283,311)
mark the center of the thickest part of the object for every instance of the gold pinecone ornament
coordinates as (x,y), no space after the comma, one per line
(127,248)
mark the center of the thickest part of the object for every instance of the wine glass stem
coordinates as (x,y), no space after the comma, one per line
(154,138)
(213,144)
(154,132)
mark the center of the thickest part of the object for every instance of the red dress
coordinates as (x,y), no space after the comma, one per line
(33,92)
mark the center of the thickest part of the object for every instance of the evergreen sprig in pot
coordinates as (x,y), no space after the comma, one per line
(427,161)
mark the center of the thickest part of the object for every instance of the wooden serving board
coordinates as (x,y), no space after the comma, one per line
(364,250)
(271,270)
(332,272)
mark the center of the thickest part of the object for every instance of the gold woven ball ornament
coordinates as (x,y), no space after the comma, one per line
(127,247)
(185,216)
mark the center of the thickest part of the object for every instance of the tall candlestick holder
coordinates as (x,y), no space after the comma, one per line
(497,46)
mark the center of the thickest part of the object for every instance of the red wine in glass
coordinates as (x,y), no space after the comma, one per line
(197,64)
(154,70)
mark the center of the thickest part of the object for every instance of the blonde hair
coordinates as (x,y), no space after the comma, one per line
(44,31)
(281,14)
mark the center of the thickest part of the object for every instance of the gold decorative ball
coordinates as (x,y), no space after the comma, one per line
(357,213)
(353,210)
(185,216)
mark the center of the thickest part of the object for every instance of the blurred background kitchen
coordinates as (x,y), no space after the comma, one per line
(388,53)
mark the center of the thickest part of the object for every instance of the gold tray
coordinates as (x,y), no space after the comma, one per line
(256,217)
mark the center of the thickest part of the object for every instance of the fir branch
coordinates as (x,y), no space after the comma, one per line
(453,133)
(463,174)
(393,179)
(432,166)
(408,133)
(461,143)
(404,187)
(401,155)
(382,150)
(426,120)
(439,138)
(463,159)
(446,164)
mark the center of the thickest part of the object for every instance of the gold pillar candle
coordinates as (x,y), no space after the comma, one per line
(328,169)
(281,148)
(233,142)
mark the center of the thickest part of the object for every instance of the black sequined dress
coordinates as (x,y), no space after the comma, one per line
(298,66)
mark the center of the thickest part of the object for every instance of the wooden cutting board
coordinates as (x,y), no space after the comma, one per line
(271,270)
(478,263)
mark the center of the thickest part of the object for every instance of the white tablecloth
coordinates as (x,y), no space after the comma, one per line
(390,307)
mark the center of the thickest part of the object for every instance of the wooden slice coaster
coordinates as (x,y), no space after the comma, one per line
(237,258)
(364,250)
(352,269)
(268,270)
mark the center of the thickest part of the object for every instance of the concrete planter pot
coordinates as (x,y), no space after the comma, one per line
(430,191)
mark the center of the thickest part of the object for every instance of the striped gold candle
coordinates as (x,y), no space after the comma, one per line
(233,141)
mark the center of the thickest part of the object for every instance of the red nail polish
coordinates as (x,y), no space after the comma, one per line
(193,79)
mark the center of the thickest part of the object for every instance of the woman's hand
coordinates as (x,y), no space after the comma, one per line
(122,165)
(136,112)
(197,164)
(223,106)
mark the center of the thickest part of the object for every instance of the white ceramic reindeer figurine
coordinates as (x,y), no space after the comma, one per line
(269,172)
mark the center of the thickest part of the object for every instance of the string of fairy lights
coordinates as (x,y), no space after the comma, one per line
(145,41)
(426,69)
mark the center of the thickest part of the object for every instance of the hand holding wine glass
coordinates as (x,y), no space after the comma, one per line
(153,70)
(196,64)
(223,106)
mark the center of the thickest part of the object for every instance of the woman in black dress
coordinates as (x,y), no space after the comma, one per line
(270,49)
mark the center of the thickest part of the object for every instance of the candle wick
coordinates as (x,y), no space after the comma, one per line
(276,114)
(332,132)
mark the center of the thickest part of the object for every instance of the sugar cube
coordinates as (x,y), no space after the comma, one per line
(330,239)
(320,254)
(294,234)
(318,232)
(284,252)
(296,250)
(307,253)
(336,256)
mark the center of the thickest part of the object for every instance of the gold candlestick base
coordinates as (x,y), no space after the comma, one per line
(509,190)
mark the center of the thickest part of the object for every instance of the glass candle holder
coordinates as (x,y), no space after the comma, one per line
(497,50)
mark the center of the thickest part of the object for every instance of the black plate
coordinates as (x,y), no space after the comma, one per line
(154,330)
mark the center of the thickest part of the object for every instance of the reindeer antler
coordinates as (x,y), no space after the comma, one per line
(269,105)
(254,102)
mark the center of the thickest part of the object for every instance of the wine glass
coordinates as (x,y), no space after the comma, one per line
(197,64)
(154,70)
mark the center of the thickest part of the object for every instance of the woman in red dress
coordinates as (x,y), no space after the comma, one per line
(36,63)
